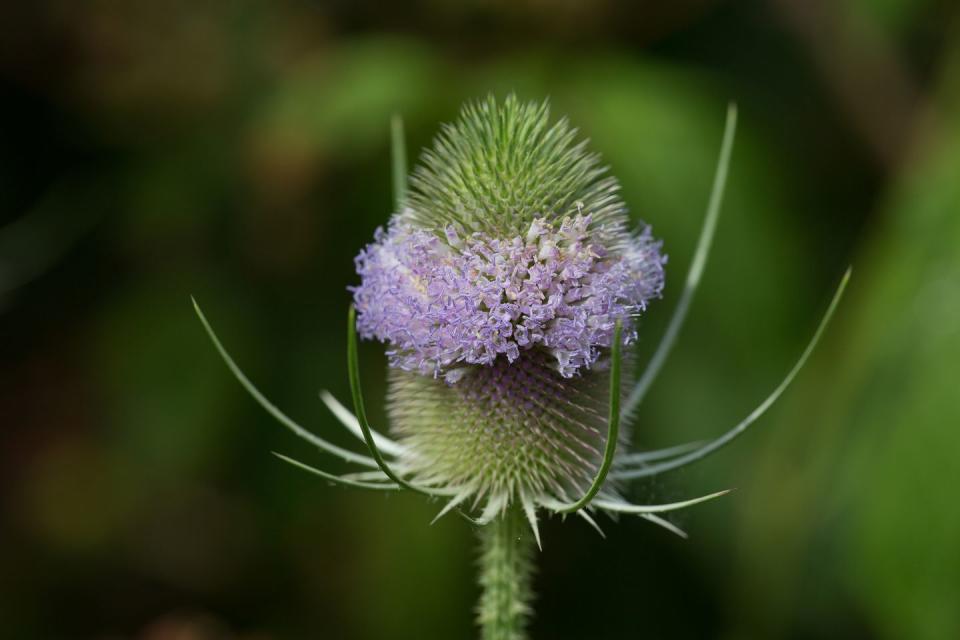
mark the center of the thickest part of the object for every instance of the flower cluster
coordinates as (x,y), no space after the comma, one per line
(444,300)
(468,273)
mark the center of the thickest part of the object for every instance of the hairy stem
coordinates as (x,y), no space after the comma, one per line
(506,565)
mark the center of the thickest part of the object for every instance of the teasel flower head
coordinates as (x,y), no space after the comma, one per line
(508,288)
(498,289)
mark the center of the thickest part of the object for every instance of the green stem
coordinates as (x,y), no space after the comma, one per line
(506,565)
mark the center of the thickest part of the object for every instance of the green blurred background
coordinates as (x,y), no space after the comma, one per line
(237,150)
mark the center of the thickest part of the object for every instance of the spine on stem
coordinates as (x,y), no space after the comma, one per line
(506,567)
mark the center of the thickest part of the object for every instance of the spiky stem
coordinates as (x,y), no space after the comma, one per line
(506,566)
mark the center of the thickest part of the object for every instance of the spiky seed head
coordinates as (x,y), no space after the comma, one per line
(502,166)
(497,289)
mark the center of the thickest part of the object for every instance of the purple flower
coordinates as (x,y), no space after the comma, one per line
(448,299)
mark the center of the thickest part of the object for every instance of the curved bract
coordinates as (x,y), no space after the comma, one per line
(613,431)
(686,455)
(697,266)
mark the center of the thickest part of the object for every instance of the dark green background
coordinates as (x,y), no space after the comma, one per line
(238,151)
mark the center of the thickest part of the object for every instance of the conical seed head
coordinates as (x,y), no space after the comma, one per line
(501,166)
(497,290)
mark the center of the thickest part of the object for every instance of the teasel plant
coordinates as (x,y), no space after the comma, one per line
(508,287)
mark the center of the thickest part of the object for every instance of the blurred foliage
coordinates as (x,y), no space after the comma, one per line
(238,151)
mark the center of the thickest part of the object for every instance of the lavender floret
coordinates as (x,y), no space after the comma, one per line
(448,300)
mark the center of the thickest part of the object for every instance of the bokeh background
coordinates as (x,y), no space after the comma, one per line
(237,150)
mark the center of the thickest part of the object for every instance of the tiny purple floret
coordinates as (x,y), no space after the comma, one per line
(444,301)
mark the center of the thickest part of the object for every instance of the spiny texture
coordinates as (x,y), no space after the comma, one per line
(504,433)
(502,166)
(443,302)
(506,565)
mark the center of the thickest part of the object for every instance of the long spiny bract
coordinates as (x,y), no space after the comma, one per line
(697,266)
